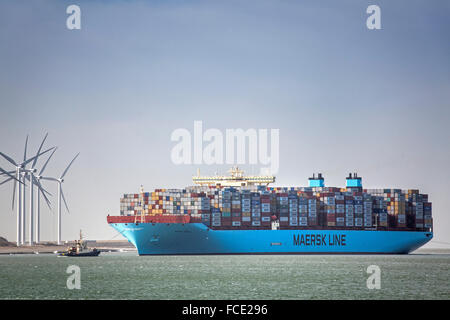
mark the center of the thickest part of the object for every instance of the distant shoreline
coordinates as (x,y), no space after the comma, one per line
(51,247)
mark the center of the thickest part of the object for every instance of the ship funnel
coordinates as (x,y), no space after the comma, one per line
(354,182)
(317,182)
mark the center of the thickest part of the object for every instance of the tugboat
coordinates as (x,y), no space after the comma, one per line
(80,250)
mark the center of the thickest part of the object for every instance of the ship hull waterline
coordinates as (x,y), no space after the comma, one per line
(198,239)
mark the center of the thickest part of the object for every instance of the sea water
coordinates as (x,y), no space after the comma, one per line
(129,276)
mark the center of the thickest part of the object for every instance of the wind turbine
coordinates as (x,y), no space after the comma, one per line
(29,174)
(33,180)
(21,172)
(19,209)
(59,181)
(38,198)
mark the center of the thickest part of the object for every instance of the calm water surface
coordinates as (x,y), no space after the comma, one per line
(128,276)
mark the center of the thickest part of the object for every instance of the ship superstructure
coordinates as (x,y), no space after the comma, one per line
(235,179)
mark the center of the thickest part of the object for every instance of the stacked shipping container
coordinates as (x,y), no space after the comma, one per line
(257,207)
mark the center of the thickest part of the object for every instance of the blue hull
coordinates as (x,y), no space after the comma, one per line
(196,238)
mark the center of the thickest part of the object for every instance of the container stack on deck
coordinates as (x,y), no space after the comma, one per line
(303,207)
(253,212)
(294,218)
(403,208)
(236,209)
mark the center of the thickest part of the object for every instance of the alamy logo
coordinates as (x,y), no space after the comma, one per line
(374,20)
(249,146)
(74,20)
(74,280)
(374,280)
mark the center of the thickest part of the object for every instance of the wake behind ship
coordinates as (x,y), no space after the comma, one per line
(240,214)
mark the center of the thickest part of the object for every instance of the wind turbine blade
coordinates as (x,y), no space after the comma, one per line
(14,194)
(1,173)
(8,158)
(9,179)
(64,199)
(65,171)
(48,178)
(39,150)
(6,173)
(43,191)
(48,203)
(38,183)
(45,165)
(25,152)
(40,154)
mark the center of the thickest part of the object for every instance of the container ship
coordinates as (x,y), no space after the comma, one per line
(240,214)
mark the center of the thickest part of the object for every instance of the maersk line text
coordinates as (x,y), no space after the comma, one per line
(319,240)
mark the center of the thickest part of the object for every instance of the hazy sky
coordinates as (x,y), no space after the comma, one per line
(345,98)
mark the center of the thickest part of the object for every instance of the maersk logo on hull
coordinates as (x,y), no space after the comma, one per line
(319,240)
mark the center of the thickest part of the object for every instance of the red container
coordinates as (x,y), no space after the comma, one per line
(151,219)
